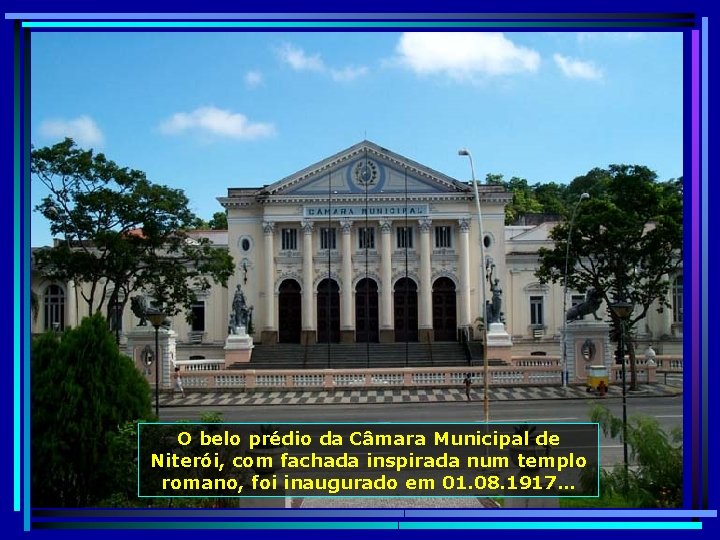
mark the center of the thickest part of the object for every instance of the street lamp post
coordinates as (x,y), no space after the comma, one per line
(156,319)
(622,311)
(565,288)
(486,397)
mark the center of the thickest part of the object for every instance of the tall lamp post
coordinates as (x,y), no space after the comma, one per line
(622,310)
(486,398)
(156,319)
(565,289)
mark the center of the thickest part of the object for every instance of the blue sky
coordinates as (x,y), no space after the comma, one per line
(205,111)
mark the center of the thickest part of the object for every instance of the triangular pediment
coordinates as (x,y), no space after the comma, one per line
(365,167)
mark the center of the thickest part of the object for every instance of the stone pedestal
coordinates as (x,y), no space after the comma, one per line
(587,343)
(499,343)
(238,347)
(269,337)
(347,336)
(141,339)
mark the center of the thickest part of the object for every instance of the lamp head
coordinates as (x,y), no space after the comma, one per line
(156,319)
(621,309)
(584,195)
(463,152)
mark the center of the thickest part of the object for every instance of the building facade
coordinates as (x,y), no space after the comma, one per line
(368,245)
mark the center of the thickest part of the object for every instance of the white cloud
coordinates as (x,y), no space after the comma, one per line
(349,73)
(577,69)
(299,60)
(211,120)
(253,79)
(83,130)
(464,55)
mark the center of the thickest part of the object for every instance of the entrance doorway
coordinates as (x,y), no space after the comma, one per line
(289,312)
(406,310)
(444,310)
(367,327)
(328,311)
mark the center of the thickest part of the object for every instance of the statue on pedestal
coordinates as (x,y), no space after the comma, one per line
(494,306)
(241,313)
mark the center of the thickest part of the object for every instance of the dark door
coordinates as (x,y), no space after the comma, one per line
(367,327)
(444,310)
(406,310)
(289,312)
(328,312)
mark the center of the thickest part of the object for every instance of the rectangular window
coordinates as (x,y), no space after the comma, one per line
(677,303)
(198,316)
(404,237)
(288,239)
(443,236)
(366,237)
(536,310)
(328,238)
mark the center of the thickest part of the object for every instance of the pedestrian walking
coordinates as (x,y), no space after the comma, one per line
(467,381)
(178,382)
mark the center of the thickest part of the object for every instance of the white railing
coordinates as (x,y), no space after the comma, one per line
(360,378)
(200,365)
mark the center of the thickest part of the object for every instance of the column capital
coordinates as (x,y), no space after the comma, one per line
(346,226)
(307,226)
(268,227)
(424,225)
(385,225)
(464,224)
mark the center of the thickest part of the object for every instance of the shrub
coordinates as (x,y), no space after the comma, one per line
(83,391)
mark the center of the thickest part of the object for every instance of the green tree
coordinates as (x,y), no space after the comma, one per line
(656,477)
(82,391)
(219,221)
(626,241)
(121,232)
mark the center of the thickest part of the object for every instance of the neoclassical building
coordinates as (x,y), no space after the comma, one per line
(368,245)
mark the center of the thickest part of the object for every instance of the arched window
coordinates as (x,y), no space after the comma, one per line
(677,299)
(54,308)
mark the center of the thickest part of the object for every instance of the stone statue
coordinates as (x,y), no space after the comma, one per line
(494,306)
(138,305)
(593,299)
(241,313)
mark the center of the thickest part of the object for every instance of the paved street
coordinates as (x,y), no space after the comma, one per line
(398,395)
(667,409)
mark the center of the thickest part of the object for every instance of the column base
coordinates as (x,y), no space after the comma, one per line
(269,337)
(347,336)
(308,337)
(425,335)
(387,336)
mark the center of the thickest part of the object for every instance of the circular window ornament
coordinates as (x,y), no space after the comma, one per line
(245,244)
(365,173)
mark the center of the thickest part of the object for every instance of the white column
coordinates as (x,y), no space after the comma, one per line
(71,317)
(425,312)
(386,314)
(268,231)
(308,316)
(346,322)
(464,226)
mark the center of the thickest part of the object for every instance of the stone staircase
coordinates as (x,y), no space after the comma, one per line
(355,355)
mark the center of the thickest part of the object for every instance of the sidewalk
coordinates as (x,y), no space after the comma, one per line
(399,395)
